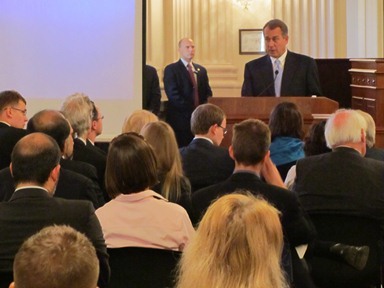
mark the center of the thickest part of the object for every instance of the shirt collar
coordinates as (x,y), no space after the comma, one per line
(281,58)
(135,197)
(5,123)
(202,137)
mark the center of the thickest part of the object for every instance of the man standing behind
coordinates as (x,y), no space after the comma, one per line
(151,90)
(13,116)
(280,72)
(187,86)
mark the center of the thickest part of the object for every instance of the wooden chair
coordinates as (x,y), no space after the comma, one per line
(137,267)
(350,230)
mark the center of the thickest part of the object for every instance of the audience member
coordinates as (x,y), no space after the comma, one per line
(286,125)
(137,216)
(173,185)
(204,161)
(280,72)
(342,181)
(13,116)
(250,150)
(78,109)
(96,128)
(35,168)
(187,86)
(238,243)
(151,90)
(71,185)
(372,151)
(314,144)
(137,120)
(56,257)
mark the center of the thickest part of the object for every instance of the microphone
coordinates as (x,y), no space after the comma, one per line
(196,71)
(270,84)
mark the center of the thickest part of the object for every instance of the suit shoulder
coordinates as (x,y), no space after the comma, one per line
(258,61)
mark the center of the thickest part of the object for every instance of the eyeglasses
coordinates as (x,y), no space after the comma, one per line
(21,110)
(224,129)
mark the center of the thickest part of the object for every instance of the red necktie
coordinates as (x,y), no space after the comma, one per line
(195,91)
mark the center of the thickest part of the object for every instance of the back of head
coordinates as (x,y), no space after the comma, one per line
(10,98)
(161,137)
(137,120)
(250,141)
(344,127)
(371,128)
(131,165)
(56,257)
(204,117)
(286,120)
(277,23)
(314,143)
(52,123)
(34,157)
(238,244)
(77,109)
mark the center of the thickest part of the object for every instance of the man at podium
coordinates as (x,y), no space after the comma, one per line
(280,72)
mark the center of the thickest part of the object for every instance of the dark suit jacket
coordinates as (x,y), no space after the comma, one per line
(300,77)
(95,148)
(205,164)
(179,89)
(8,139)
(375,153)
(86,153)
(71,185)
(341,181)
(296,227)
(151,90)
(31,209)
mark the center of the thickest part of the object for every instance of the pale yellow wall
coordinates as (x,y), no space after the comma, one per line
(317,28)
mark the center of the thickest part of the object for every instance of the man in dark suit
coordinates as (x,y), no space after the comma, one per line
(250,150)
(342,180)
(151,90)
(187,86)
(78,110)
(96,128)
(36,169)
(204,161)
(13,116)
(280,72)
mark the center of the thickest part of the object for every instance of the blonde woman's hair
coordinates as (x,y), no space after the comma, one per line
(137,120)
(163,141)
(238,244)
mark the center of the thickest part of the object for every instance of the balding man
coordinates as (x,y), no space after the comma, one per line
(36,169)
(186,85)
(13,116)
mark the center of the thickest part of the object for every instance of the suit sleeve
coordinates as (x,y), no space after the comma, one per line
(313,81)
(95,234)
(172,88)
(246,89)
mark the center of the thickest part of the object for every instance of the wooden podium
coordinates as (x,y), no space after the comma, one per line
(238,109)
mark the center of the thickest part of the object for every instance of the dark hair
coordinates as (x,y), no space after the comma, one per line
(250,142)
(95,114)
(52,123)
(34,157)
(131,165)
(286,120)
(277,23)
(314,142)
(204,117)
(10,97)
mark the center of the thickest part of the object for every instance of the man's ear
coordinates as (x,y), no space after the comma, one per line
(10,169)
(230,151)
(94,123)
(55,173)
(12,285)
(266,156)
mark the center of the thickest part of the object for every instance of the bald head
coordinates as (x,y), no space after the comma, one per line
(186,49)
(52,123)
(33,158)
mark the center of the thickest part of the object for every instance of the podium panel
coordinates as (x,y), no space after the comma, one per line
(238,109)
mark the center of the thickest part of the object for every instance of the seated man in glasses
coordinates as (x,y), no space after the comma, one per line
(204,161)
(13,117)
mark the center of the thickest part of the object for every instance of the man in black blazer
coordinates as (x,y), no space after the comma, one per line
(250,149)
(185,89)
(13,116)
(35,168)
(295,75)
(204,161)
(151,90)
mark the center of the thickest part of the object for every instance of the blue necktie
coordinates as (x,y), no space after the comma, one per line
(278,74)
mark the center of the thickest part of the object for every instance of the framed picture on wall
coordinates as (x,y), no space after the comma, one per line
(251,41)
